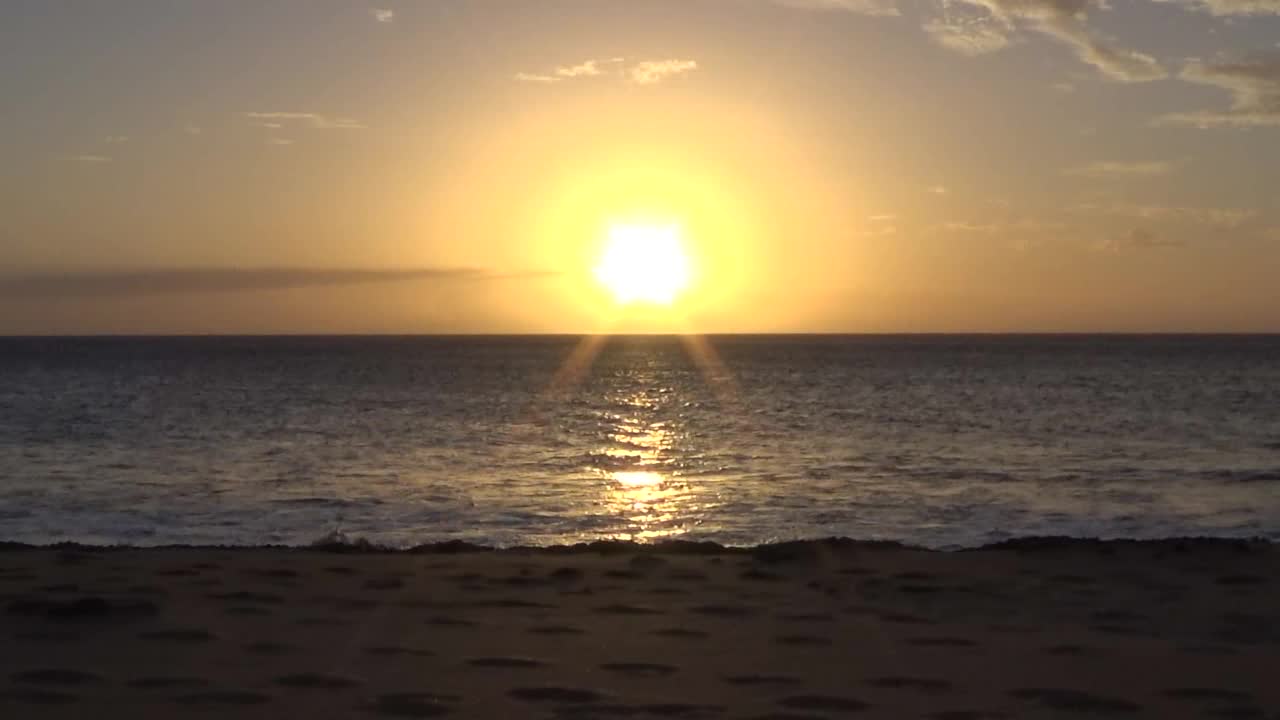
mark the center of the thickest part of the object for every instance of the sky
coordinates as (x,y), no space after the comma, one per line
(455,166)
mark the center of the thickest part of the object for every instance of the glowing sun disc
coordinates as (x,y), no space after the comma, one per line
(644,264)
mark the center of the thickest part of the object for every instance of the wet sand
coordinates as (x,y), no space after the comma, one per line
(1031,629)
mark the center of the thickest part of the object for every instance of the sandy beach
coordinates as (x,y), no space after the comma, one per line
(1031,629)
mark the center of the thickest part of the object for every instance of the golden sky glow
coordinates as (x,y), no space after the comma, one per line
(463,167)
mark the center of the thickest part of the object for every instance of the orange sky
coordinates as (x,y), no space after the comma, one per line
(834,165)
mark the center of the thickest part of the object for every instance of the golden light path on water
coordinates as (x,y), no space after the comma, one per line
(646,498)
(640,488)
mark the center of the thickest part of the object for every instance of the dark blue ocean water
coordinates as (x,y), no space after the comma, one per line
(939,441)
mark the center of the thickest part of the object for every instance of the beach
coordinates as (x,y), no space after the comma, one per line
(823,629)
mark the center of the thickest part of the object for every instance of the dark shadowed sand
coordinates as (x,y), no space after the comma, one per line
(1033,629)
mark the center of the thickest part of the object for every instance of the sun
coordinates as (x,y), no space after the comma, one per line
(644,264)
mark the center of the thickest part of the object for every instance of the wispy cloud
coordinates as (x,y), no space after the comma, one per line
(645,72)
(280,141)
(383,15)
(1116,170)
(193,130)
(994,227)
(1139,239)
(1254,85)
(587,68)
(975,27)
(1231,7)
(315,120)
(862,7)
(93,158)
(536,78)
(116,139)
(135,283)
(650,72)
(1228,218)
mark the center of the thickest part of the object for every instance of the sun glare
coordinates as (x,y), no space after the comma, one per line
(644,264)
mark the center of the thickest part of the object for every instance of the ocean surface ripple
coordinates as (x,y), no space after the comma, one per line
(936,441)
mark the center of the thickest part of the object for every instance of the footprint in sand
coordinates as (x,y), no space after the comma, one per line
(39,696)
(762,680)
(512,663)
(446,621)
(915,684)
(558,695)
(682,633)
(249,611)
(725,611)
(223,698)
(938,642)
(823,703)
(1077,701)
(168,683)
(57,676)
(412,705)
(555,630)
(618,609)
(807,617)
(269,648)
(180,635)
(316,681)
(1212,695)
(324,622)
(397,651)
(244,597)
(390,583)
(1070,650)
(803,640)
(84,608)
(640,669)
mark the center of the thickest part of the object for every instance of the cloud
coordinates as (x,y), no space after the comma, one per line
(134,283)
(1114,170)
(93,158)
(383,15)
(535,78)
(976,27)
(1140,239)
(193,130)
(999,226)
(646,72)
(651,72)
(1254,85)
(1228,218)
(938,190)
(862,7)
(969,36)
(116,139)
(315,120)
(280,141)
(588,68)
(1230,7)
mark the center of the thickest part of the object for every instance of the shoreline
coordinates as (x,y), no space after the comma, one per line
(680,547)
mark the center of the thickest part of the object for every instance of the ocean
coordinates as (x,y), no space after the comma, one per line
(936,441)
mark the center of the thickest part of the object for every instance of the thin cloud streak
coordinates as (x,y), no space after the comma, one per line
(1254,85)
(1115,170)
(182,281)
(644,72)
(315,120)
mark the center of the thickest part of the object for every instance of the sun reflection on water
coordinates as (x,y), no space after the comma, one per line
(641,489)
